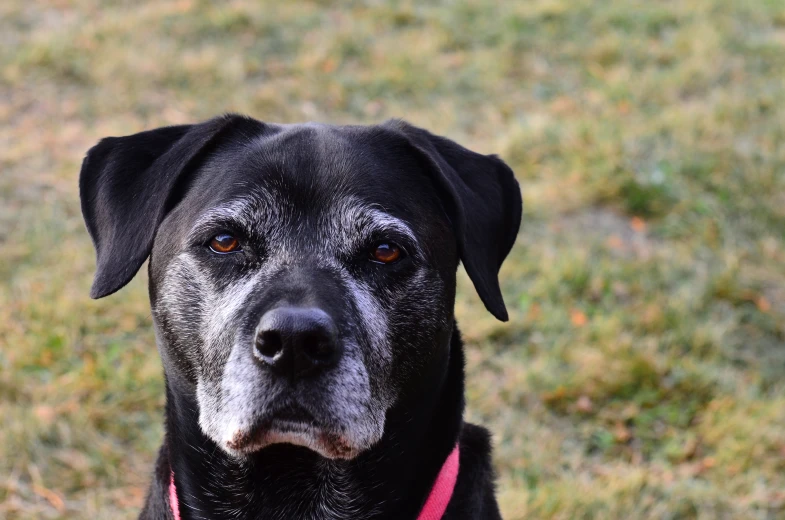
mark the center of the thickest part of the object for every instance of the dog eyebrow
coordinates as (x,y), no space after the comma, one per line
(238,211)
(387,222)
(362,222)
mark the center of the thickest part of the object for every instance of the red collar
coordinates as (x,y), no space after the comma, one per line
(434,507)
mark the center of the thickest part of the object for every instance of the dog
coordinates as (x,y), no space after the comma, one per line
(302,285)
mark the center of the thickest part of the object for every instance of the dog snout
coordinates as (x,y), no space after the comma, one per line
(297,342)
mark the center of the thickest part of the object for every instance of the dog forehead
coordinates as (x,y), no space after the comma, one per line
(320,170)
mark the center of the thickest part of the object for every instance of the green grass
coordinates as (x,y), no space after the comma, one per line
(642,374)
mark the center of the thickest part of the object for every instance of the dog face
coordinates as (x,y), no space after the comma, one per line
(306,231)
(302,277)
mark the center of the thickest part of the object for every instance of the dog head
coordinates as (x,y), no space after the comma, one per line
(302,277)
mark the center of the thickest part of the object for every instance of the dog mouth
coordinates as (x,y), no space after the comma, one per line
(294,425)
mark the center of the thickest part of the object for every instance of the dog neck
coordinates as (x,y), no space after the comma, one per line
(391,480)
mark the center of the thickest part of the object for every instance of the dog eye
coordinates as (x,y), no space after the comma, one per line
(224,243)
(385,253)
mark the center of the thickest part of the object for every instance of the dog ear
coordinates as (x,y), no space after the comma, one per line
(483,202)
(127,186)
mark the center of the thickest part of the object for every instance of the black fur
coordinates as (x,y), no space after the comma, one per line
(142,194)
(397,473)
(125,178)
(468,182)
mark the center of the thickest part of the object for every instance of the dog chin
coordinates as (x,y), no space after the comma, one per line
(327,444)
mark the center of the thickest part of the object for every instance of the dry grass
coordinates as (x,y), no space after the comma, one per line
(643,372)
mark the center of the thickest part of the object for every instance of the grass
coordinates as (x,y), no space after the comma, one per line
(642,374)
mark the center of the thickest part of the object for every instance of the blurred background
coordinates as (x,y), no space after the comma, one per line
(642,373)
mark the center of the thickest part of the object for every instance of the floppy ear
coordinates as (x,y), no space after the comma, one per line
(127,186)
(482,200)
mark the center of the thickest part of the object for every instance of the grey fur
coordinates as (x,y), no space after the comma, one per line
(231,395)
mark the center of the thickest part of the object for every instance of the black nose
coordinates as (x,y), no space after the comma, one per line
(297,342)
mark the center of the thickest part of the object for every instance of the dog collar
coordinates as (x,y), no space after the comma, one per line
(442,489)
(434,507)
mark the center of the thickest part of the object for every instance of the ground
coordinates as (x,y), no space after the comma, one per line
(642,373)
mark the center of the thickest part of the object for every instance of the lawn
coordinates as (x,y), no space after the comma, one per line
(642,373)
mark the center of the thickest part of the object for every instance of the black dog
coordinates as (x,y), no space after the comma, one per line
(302,282)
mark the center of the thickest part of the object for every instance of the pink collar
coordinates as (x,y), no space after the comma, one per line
(434,507)
(442,489)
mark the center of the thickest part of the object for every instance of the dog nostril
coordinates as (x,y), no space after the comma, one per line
(297,342)
(318,347)
(268,343)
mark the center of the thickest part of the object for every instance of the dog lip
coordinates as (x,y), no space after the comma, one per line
(291,417)
(292,424)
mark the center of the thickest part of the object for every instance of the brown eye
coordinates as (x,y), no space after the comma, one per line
(224,244)
(385,253)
